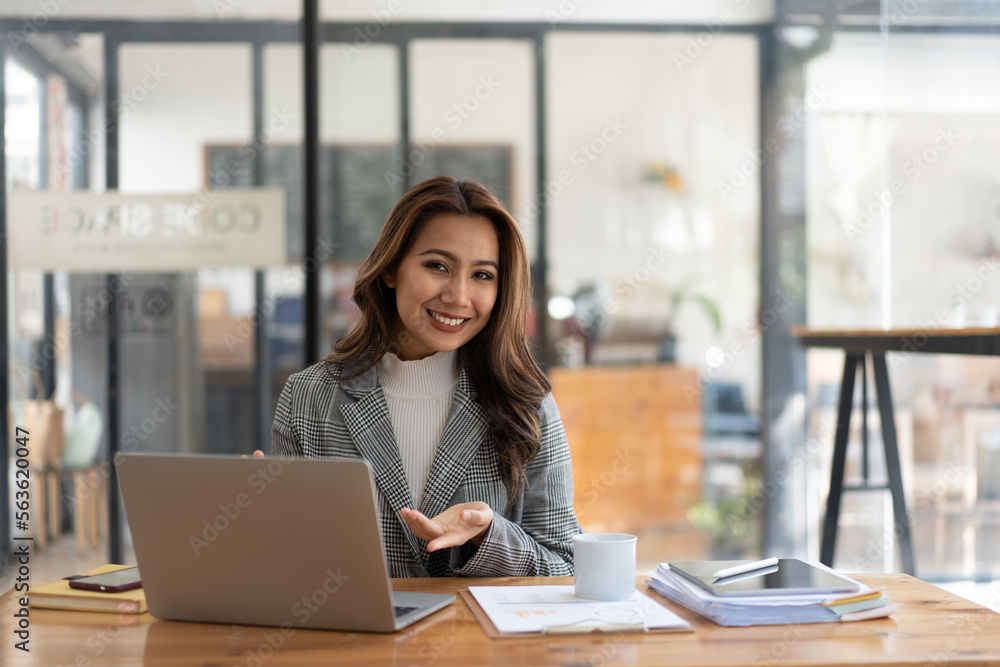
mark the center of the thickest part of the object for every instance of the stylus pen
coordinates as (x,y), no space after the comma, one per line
(747,567)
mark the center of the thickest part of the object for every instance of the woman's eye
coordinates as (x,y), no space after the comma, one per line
(483,275)
(439,266)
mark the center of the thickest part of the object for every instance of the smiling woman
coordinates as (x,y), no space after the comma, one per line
(437,389)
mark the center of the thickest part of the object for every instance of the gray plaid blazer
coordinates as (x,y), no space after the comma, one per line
(318,416)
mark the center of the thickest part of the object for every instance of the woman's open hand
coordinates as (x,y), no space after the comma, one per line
(453,527)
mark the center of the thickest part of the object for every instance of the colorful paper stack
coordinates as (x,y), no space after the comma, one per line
(862,604)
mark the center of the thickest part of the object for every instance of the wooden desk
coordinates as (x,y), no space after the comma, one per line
(873,344)
(931,627)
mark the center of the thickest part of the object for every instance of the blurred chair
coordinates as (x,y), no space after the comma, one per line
(731,443)
(82,442)
(725,412)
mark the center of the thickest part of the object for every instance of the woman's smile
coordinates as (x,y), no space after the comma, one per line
(446,322)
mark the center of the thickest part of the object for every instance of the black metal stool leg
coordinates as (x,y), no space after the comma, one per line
(901,527)
(828,544)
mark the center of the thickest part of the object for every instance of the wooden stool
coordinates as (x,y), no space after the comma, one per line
(102,503)
(38,509)
(86,487)
(53,488)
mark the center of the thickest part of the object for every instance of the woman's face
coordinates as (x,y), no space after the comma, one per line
(446,285)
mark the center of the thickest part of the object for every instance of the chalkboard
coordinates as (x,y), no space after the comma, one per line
(359,184)
(225,167)
(490,165)
(283,168)
(366,198)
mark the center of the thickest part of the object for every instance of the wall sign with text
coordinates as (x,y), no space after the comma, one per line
(110,231)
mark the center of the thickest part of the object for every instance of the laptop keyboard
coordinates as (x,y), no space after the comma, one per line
(403,611)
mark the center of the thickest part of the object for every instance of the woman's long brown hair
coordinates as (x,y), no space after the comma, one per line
(509,384)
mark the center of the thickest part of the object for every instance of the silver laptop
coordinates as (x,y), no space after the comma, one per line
(263,542)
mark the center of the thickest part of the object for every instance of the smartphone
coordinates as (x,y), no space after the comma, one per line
(110,582)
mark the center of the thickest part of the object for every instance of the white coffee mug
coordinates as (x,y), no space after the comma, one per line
(605,565)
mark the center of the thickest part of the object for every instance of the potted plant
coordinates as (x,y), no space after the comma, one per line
(731,522)
(684,293)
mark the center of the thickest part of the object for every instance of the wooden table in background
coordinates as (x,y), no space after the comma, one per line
(861,345)
(635,437)
(932,627)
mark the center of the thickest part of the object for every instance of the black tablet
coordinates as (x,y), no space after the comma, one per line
(790,576)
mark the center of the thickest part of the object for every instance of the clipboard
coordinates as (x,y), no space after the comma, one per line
(560,630)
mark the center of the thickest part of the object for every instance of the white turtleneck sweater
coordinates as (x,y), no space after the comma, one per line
(418,394)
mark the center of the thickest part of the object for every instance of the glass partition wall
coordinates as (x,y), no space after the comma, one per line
(653,256)
(688,192)
(903,232)
(627,156)
(147,111)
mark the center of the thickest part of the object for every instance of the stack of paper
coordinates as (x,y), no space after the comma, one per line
(742,610)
